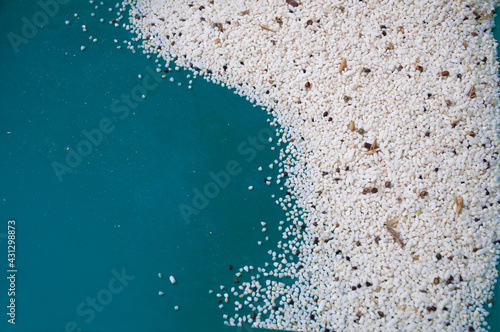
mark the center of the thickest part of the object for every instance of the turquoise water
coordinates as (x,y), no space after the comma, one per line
(105,227)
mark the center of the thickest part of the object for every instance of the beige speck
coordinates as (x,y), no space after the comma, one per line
(372,151)
(460,202)
(352,126)
(343,65)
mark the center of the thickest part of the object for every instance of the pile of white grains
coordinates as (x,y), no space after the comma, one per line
(387,116)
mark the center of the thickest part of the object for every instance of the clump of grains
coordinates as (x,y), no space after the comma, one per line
(386,70)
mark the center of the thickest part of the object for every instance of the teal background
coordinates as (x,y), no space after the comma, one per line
(119,208)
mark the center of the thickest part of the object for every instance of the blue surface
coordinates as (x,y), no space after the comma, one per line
(117,211)
(118,208)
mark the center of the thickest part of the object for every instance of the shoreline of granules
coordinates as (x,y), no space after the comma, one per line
(387,116)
